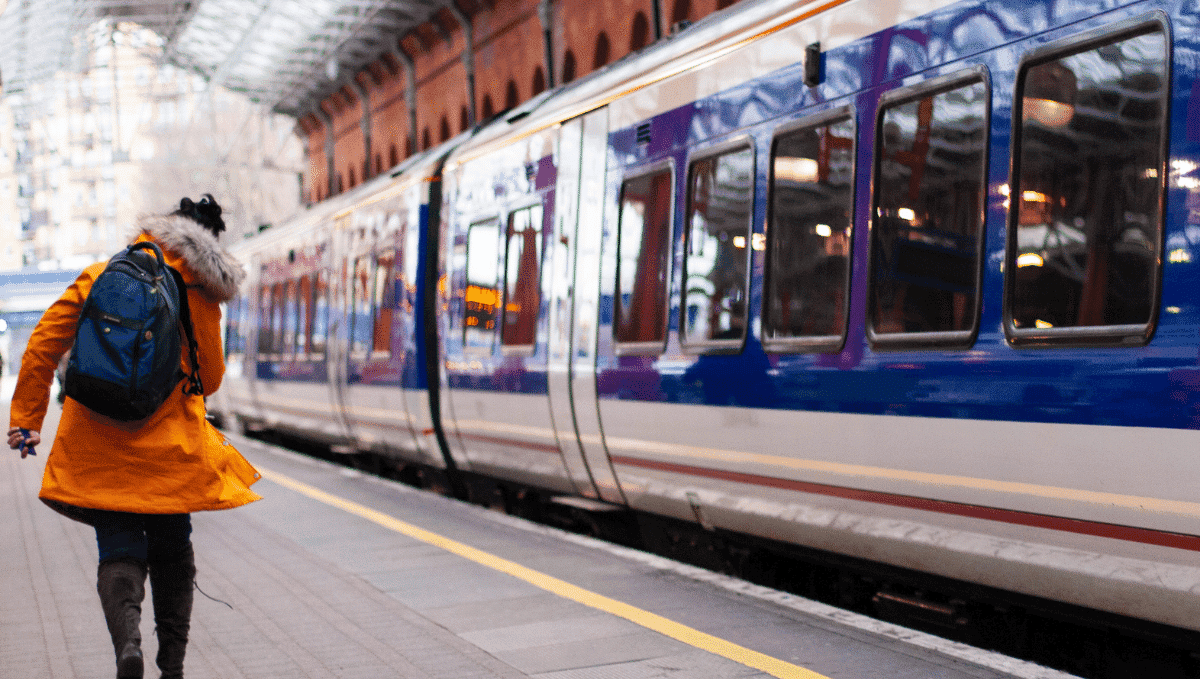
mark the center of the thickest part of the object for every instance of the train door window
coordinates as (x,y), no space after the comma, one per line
(412,258)
(304,318)
(290,320)
(277,320)
(806,293)
(928,217)
(231,325)
(483,286)
(235,327)
(716,266)
(522,280)
(320,314)
(1089,164)
(361,321)
(384,298)
(643,256)
(264,320)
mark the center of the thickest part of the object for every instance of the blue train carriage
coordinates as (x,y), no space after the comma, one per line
(908,282)
(917,287)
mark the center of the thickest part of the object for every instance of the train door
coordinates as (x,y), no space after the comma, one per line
(337,340)
(245,401)
(375,408)
(574,304)
(409,288)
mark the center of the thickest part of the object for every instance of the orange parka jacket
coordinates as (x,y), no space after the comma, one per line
(174,461)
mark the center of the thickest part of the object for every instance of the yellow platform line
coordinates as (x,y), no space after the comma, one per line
(670,628)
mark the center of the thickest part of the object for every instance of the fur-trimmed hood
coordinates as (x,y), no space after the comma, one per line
(216,271)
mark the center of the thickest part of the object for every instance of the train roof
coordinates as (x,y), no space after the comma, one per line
(749,39)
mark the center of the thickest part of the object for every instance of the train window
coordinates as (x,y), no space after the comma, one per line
(320,314)
(277,319)
(264,320)
(361,322)
(1089,165)
(927,218)
(643,256)
(234,343)
(304,316)
(412,258)
(522,278)
(716,271)
(808,235)
(384,302)
(290,319)
(483,286)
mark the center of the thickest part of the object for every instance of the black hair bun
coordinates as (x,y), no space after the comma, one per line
(206,213)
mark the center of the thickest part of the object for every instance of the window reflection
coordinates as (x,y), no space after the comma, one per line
(277,305)
(360,306)
(290,319)
(720,200)
(264,320)
(235,327)
(384,299)
(643,247)
(522,277)
(808,238)
(304,339)
(1087,198)
(483,286)
(928,221)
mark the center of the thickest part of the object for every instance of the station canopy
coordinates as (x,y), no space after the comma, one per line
(287,55)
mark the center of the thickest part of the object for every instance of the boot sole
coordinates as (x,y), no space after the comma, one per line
(131,667)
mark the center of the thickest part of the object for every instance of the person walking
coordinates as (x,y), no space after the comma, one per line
(137,483)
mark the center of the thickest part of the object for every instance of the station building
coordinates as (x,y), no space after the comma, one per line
(470,61)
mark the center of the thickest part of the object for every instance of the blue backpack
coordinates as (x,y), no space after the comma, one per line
(125,361)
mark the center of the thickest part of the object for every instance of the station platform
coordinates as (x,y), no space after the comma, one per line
(341,575)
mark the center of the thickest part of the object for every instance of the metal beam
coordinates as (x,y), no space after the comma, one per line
(330,174)
(468,59)
(364,98)
(546,16)
(410,93)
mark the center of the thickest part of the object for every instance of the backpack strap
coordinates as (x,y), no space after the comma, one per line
(194,387)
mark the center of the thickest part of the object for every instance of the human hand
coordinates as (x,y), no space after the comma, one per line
(25,439)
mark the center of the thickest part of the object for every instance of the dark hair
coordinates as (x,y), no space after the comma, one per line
(206,213)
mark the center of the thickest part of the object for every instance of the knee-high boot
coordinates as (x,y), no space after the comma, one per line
(171,583)
(121,583)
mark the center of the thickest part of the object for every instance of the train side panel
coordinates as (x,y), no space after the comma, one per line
(907,281)
(1029,457)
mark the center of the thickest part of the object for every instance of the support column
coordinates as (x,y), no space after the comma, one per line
(364,97)
(301,131)
(468,59)
(410,94)
(546,16)
(330,173)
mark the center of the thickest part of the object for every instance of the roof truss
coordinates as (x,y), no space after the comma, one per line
(285,54)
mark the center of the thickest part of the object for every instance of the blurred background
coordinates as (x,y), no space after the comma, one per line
(113,108)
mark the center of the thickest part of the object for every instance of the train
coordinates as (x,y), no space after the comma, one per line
(908,281)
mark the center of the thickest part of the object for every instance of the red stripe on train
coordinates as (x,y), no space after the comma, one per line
(1104,530)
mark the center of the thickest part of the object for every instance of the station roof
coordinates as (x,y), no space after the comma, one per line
(284,54)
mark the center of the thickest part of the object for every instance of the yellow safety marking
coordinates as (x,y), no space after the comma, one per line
(670,628)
